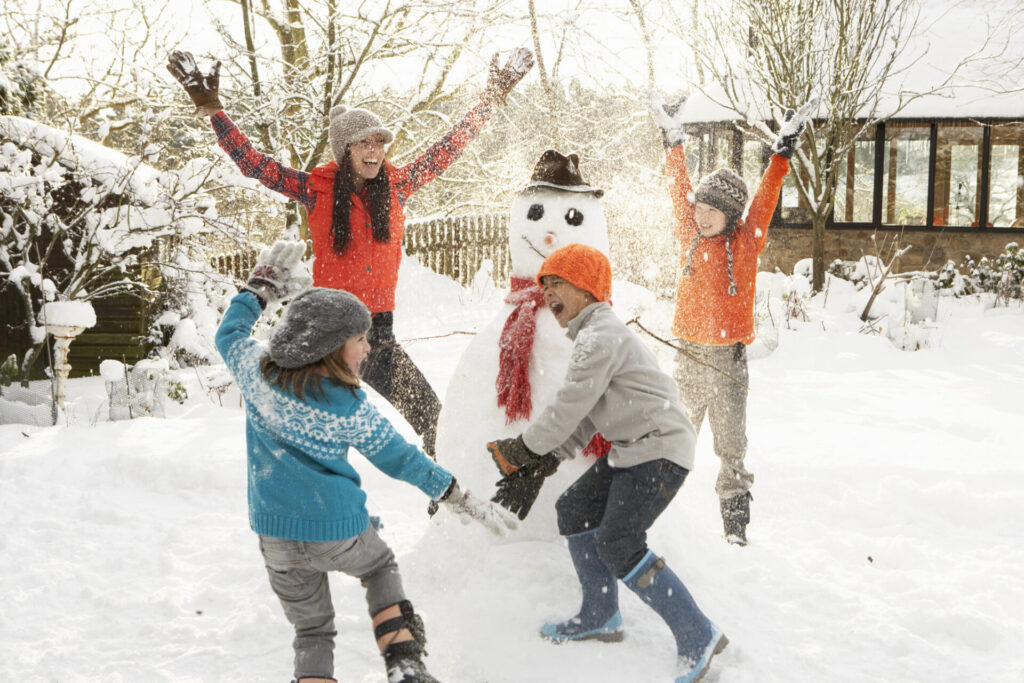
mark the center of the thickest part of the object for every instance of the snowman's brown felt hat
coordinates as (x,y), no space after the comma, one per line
(559,172)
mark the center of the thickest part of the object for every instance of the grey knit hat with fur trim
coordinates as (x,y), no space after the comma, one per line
(725,190)
(315,323)
(353,125)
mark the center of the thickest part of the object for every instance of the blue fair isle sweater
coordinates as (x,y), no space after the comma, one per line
(301,484)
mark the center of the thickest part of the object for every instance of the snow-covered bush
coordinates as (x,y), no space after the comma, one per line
(8,372)
(862,273)
(80,221)
(952,280)
(1002,275)
(20,82)
(191,300)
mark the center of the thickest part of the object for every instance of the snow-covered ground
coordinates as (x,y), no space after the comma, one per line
(886,545)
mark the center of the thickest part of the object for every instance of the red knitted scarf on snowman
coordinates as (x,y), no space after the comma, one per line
(514,347)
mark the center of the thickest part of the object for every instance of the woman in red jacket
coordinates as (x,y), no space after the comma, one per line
(356,210)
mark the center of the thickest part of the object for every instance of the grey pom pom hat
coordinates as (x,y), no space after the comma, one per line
(315,323)
(725,190)
(353,125)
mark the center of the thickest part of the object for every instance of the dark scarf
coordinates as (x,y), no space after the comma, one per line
(378,204)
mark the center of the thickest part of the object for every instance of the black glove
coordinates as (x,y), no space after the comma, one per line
(518,491)
(202,88)
(785,145)
(510,454)
(668,117)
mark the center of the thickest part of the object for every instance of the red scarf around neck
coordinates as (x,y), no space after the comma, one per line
(514,347)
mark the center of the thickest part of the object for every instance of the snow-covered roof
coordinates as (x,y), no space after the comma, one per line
(76,152)
(983,33)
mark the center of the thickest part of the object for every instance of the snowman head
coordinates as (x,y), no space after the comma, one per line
(556,208)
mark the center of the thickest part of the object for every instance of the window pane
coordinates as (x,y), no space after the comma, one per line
(697,149)
(957,174)
(905,174)
(855,188)
(1006,180)
(723,146)
(753,161)
(793,210)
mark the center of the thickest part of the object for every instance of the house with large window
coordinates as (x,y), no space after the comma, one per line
(945,173)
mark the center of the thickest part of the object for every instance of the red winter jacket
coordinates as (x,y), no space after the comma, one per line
(367,268)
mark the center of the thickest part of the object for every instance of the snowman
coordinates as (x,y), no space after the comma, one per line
(515,365)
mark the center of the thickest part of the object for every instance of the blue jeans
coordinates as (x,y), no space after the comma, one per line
(298,576)
(622,504)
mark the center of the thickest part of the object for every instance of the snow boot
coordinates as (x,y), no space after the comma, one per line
(735,517)
(697,639)
(403,660)
(599,617)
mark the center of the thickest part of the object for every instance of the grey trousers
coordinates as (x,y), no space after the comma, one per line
(298,576)
(704,390)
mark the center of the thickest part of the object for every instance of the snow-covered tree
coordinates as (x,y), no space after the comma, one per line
(868,61)
(79,221)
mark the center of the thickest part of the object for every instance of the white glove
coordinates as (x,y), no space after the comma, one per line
(470,508)
(668,117)
(501,80)
(279,273)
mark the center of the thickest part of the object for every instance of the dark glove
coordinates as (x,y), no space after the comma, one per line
(518,491)
(500,81)
(793,125)
(203,89)
(668,118)
(510,454)
(785,144)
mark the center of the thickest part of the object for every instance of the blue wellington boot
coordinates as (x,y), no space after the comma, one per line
(599,617)
(697,639)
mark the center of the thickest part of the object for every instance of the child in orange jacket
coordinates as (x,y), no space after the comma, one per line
(714,316)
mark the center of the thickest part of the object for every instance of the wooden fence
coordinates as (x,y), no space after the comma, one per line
(450,246)
(457,246)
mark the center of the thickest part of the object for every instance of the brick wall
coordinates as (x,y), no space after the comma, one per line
(931,247)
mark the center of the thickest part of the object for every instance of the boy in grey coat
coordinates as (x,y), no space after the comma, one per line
(614,387)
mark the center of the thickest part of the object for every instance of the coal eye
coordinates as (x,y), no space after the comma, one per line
(574,217)
(536,212)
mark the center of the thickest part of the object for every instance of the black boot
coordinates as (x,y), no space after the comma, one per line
(403,660)
(735,517)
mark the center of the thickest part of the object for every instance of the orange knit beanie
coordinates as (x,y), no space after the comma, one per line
(583,266)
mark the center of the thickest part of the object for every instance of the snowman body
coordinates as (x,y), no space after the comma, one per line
(542,219)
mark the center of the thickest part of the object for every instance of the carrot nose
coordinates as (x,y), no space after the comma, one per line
(550,238)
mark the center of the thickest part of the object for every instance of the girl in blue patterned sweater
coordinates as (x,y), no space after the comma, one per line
(304,410)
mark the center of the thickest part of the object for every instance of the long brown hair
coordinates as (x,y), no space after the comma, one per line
(308,378)
(378,200)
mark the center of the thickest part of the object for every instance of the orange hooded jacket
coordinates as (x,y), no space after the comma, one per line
(706,313)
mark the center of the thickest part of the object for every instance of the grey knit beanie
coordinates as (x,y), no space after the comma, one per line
(353,125)
(725,190)
(315,323)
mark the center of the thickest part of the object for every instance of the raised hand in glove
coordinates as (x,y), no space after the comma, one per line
(470,508)
(668,118)
(279,273)
(518,491)
(793,125)
(500,81)
(202,88)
